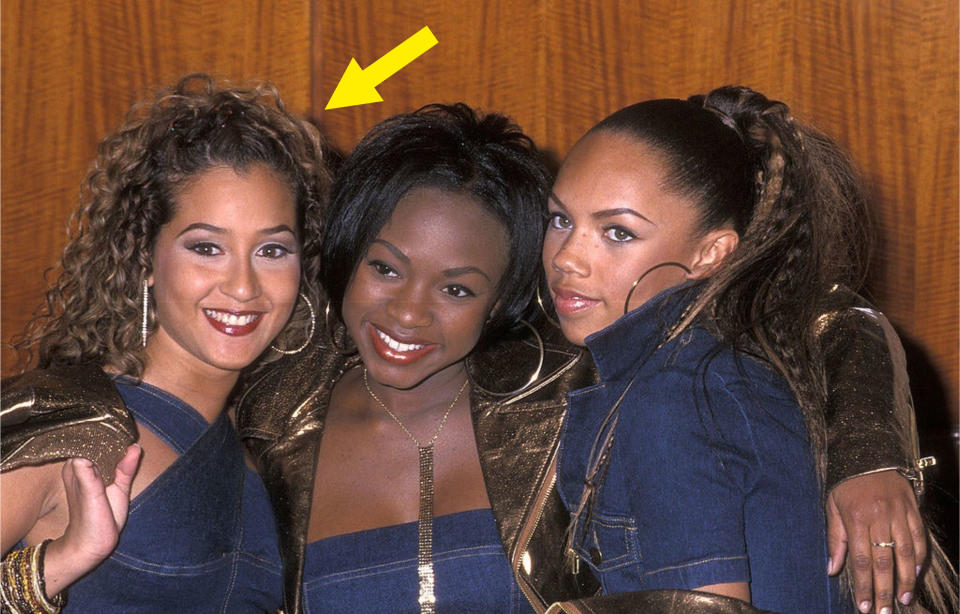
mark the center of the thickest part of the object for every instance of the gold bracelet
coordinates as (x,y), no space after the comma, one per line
(8,595)
(22,587)
(50,606)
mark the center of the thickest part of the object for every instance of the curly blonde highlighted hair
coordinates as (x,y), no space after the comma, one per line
(92,312)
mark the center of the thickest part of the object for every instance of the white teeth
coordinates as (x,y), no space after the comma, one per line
(396,345)
(231,319)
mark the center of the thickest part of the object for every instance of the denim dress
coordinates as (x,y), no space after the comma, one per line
(376,570)
(201,537)
(709,475)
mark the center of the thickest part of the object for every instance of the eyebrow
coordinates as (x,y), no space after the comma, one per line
(464,270)
(220,231)
(393,250)
(454,272)
(622,211)
(606,212)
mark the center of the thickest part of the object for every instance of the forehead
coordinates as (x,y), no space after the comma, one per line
(608,170)
(449,228)
(255,196)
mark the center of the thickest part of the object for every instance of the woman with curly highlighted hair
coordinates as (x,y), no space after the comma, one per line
(194,254)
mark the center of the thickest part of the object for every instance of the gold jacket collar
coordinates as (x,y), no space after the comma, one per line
(281,417)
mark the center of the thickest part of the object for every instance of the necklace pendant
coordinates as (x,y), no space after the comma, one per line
(425,575)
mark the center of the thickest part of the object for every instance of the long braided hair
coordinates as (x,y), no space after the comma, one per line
(795,201)
(792,196)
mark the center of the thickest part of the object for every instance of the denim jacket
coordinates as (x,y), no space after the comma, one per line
(689,465)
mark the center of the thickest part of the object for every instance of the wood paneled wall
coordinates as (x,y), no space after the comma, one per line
(71,69)
(879,75)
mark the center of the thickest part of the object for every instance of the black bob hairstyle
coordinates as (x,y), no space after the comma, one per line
(449,147)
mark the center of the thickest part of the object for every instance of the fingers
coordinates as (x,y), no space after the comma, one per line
(861,563)
(904,554)
(118,493)
(836,538)
(127,469)
(918,534)
(82,484)
(883,563)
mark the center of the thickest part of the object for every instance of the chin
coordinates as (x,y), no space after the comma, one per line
(574,334)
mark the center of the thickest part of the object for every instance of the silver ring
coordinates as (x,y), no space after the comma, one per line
(884,544)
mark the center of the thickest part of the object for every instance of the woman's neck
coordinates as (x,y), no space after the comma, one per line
(435,393)
(206,390)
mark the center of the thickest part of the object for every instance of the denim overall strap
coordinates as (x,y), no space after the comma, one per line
(167,417)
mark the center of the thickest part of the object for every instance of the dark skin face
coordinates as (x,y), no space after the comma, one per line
(415,307)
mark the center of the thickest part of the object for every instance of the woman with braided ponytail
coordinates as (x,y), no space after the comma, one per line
(701,249)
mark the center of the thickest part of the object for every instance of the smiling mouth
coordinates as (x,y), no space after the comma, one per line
(396,351)
(396,345)
(234,323)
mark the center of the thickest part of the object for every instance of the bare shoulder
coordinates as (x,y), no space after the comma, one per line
(31,497)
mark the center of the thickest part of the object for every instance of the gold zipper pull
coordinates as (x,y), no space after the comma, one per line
(574,561)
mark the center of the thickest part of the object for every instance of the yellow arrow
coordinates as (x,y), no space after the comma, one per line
(359,85)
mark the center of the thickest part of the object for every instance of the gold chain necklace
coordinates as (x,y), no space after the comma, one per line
(427,598)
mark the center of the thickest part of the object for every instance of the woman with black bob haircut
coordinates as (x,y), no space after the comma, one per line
(450,148)
(407,453)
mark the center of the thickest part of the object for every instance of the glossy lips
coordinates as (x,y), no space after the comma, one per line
(397,351)
(234,323)
(570,302)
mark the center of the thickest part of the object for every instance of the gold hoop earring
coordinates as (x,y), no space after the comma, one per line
(330,337)
(626,303)
(313,327)
(533,376)
(543,309)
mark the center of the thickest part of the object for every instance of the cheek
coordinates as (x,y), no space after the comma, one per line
(551,245)
(284,284)
(178,283)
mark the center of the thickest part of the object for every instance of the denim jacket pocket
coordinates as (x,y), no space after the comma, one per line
(609,542)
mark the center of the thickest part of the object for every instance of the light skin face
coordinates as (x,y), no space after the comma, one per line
(418,300)
(611,220)
(226,272)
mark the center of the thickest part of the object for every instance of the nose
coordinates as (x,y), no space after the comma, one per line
(242,282)
(410,306)
(570,258)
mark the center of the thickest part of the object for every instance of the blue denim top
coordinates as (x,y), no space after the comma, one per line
(710,477)
(199,538)
(376,570)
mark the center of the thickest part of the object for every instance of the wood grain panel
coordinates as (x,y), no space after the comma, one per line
(489,55)
(70,71)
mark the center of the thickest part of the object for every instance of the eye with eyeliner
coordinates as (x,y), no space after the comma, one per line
(204,248)
(459,291)
(558,220)
(382,268)
(275,251)
(618,234)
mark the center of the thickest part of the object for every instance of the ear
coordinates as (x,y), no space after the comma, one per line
(713,249)
(494,310)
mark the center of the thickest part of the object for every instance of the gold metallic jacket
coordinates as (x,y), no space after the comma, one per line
(54,414)
(281,418)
